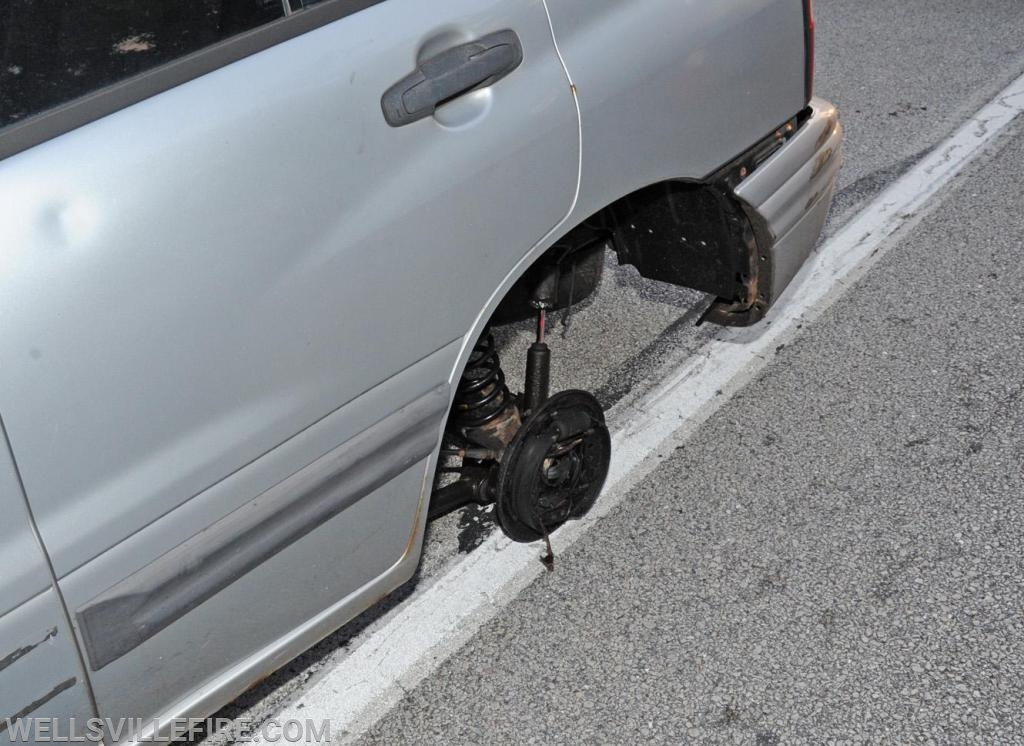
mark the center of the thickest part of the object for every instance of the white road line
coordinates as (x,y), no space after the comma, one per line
(439,619)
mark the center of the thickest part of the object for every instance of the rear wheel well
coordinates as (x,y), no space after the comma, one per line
(700,236)
(693,234)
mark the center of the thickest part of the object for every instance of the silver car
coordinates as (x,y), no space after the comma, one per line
(250,253)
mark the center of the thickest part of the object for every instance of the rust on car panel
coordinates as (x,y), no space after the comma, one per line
(821,161)
(425,497)
(825,135)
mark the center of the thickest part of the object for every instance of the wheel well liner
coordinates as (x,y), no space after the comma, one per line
(693,234)
(700,236)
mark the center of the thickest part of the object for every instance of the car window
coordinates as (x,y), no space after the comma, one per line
(55,51)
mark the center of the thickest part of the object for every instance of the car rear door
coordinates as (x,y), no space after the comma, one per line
(221,263)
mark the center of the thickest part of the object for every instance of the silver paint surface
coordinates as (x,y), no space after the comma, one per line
(207,291)
(193,280)
(157,595)
(793,190)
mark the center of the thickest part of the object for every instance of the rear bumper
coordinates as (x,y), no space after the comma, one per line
(788,196)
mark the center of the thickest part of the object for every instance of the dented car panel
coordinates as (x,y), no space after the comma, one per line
(792,191)
(208,291)
(742,233)
(672,142)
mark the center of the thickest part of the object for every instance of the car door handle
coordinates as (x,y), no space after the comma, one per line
(450,74)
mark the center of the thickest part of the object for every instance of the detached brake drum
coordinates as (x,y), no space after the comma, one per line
(554,468)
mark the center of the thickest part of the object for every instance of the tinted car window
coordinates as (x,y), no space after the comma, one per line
(53,51)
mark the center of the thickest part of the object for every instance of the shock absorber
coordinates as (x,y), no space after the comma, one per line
(485,413)
(538,369)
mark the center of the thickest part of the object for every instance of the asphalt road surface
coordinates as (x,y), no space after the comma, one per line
(836,555)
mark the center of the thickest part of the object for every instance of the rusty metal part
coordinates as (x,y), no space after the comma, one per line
(497,433)
(484,412)
(476,454)
(476,485)
(736,171)
(750,305)
(554,470)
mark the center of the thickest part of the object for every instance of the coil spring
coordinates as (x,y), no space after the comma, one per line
(482,394)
